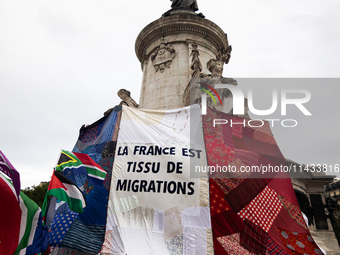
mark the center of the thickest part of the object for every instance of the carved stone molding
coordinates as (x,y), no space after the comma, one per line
(162,56)
(225,54)
(173,25)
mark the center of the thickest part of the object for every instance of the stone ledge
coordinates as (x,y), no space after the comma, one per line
(174,24)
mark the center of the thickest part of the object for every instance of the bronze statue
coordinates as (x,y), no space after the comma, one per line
(184,4)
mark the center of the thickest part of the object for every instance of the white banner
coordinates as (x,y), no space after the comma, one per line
(157,205)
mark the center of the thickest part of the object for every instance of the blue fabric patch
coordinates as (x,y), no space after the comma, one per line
(95,211)
(82,237)
(59,228)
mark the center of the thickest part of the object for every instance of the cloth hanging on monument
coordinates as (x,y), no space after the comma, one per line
(71,231)
(156,205)
(159,203)
(263,202)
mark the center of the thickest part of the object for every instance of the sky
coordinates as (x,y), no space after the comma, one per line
(63,61)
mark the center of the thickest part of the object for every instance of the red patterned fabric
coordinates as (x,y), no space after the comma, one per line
(228,184)
(283,186)
(217,201)
(253,238)
(255,206)
(284,221)
(299,243)
(232,246)
(265,129)
(263,209)
(273,248)
(243,194)
(226,223)
(218,152)
(294,211)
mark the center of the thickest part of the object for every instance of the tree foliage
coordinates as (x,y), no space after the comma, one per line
(37,193)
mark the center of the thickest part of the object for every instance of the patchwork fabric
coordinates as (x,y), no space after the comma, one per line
(293,211)
(60,226)
(83,237)
(175,245)
(235,165)
(218,152)
(248,211)
(96,139)
(239,143)
(173,223)
(273,248)
(224,134)
(260,202)
(262,147)
(263,137)
(231,244)
(248,158)
(284,221)
(217,202)
(299,243)
(227,184)
(85,232)
(248,190)
(257,126)
(263,209)
(236,130)
(106,164)
(226,223)
(253,238)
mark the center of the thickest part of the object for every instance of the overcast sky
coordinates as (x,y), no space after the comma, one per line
(63,61)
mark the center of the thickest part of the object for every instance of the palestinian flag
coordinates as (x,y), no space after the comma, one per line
(73,164)
(65,190)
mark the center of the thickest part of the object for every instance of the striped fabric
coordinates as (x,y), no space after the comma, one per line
(83,237)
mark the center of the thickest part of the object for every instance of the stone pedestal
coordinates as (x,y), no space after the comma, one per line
(164,47)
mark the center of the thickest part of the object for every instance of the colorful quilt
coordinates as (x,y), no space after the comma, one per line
(70,231)
(254,210)
(153,209)
(179,185)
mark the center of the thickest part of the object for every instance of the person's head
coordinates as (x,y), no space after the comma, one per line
(123,94)
(215,67)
